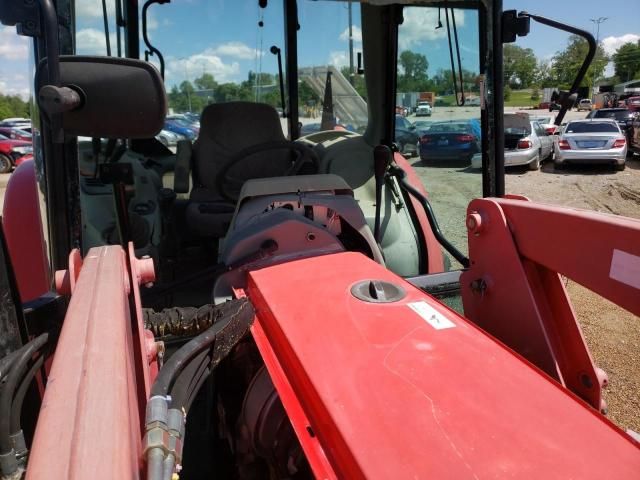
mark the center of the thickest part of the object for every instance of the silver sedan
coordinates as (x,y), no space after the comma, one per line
(591,141)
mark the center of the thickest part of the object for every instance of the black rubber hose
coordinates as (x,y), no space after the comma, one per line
(199,275)
(400,174)
(6,396)
(18,398)
(196,388)
(184,383)
(7,361)
(235,319)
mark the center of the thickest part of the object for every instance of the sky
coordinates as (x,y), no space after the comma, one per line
(223,38)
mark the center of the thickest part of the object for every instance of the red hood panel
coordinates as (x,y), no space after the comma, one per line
(390,394)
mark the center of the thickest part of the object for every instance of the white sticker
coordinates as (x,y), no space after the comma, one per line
(625,268)
(431,315)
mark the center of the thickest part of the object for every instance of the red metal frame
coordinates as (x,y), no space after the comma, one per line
(93,407)
(23,230)
(388,395)
(513,289)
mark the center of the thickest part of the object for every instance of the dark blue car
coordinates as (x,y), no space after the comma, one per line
(181,128)
(450,141)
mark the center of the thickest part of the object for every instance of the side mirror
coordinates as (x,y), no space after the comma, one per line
(104,97)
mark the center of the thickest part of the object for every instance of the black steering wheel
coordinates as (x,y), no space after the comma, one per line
(229,186)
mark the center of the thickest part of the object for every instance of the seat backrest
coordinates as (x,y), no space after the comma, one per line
(229,128)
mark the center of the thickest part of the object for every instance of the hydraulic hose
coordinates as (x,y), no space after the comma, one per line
(401,175)
(185,383)
(7,361)
(18,398)
(6,396)
(233,322)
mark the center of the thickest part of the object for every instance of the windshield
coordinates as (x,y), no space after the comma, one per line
(592,127)
(2,137)
(616,114)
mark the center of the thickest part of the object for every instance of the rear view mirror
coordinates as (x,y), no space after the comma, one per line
(118,97)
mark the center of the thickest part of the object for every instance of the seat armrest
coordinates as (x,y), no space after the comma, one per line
(182,170)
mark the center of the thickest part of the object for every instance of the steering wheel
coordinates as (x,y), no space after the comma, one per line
(229,187)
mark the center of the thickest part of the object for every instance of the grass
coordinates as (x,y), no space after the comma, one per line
(519,98)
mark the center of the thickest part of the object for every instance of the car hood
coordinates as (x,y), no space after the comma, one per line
(517,121)
(12,143)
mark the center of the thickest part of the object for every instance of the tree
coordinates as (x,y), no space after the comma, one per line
(519,66)
(413,76)
(626,61)
(567,62)
(13,106)
(544,75)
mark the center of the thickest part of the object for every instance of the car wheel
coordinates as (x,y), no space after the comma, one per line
(535,163)
(5,164)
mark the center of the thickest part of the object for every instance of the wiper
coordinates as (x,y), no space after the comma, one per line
(106,27)
(276,51)
(459,98)
(152,50)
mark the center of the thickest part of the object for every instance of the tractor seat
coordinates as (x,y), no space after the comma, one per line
(238,141)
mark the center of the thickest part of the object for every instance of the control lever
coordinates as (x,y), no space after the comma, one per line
(381,161)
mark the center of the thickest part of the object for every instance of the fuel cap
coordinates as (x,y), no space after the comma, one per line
(377,291)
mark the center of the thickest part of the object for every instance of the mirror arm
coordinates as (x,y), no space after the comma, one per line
(585,64)
(152,50)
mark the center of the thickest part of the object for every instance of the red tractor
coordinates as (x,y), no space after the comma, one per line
(256,304)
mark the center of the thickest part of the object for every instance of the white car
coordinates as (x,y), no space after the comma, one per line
(591,141)
(585,104)
(525,141)
(423,109)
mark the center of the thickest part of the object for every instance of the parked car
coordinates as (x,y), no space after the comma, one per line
(15,133)
(584,104)
(422,126)
(633,104)
(546,122)
(633,135)
(452,140)
(623,116)
(10,151)
(591,141)
(189,120)
(406,136)
(180,127)
(423,109)
(525,141)
(554,106)
(169,138)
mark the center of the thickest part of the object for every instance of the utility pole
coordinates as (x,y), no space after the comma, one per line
(351,74)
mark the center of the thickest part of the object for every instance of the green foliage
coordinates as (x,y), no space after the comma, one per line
(507,92)
(535,94)
(626,61)
(567,62)
(412,74)
(519,66)
(12,106)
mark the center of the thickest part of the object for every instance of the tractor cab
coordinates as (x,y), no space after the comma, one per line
(241,254)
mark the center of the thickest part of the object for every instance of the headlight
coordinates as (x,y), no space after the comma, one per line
(23,150)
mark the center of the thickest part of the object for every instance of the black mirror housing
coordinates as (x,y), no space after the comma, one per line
(119,97)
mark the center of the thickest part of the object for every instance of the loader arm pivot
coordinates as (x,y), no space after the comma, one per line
(513,290)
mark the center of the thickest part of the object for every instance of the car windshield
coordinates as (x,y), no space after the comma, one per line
(617,114)
(592,127)
(542,120)
(2,137)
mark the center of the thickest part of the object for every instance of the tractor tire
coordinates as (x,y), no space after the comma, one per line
(5,164)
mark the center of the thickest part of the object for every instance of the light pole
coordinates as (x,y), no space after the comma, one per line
(597,21)
(186,77)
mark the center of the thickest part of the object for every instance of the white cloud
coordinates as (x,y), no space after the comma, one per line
(611,44)
(15,84)
(12,45)
(237,50)
(91,9)
(179,69)
(91,41)
(420,25)
(356,32)
(340,59)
